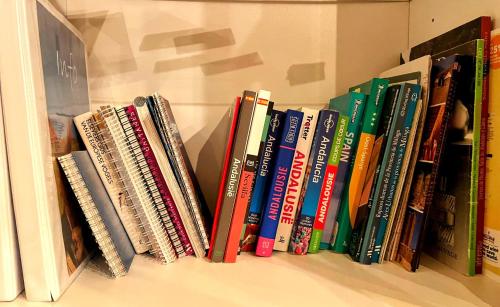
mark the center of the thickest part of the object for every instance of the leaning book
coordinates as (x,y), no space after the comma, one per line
(44,84)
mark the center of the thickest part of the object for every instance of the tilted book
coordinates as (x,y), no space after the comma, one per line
(127,152)
(93,140)
(422,189)
(390,168)
(279,180)
(352,105)
(358,232)
(311,190)
(224,171)
(166,126)
(491,243)
(375,89)
(233,178)
(162,198)
(247,178)
(296,179)
(264,173)
(99,211)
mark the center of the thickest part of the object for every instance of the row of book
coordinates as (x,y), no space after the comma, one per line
(396,162)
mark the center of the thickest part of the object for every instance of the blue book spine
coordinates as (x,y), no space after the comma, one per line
(274,199)
(266,163)
(414,95)
(322,144)
(406,105)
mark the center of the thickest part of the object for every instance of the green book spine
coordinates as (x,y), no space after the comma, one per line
(375,89)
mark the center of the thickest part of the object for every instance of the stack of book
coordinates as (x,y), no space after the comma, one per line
(367,174)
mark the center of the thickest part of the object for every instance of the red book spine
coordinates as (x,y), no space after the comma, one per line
(326,197)
(168,211)
(225,169)
(239,213)
(481,199)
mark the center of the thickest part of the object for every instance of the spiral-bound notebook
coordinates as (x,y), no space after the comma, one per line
(99,211)
(124,146)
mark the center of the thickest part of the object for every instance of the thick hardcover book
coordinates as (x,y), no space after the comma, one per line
(358,232)
(162,197)
(318,159)
(460,197)
(479,28)
(224,171)
(266,166)
(352,105)
(99,211)
(491,244)
(417,72)
(390,170)
(248,175)
(329,180)
(279,179)
(296,179)
(125,145)
(447,72)
(375,89)
(99,153)
(188,187)
(233,178)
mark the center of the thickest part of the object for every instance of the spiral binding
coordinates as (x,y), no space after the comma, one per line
(126,211)
(159,246)
(194,208)
(154,191)
(92,216)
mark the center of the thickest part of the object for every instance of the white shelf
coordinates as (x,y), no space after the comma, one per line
(282,280)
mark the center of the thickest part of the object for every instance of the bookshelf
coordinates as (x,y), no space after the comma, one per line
(200,54)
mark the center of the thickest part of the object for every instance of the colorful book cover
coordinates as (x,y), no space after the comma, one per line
(479,28)
(390,169)
(233,178)
(281,172)
(266,165)
(491,242)
(352,105)
(375,89)
(248,175)
(329,180)
(422,189)
(322,144)
(457,193)
(224,171)
(296,179)
(392,96)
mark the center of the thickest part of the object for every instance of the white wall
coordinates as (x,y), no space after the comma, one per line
(429,18)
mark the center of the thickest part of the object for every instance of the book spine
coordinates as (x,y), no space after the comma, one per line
(296,179)
(350,199)
(322,144)
(476,218)
(402,134)
(355,113)
(266,164)
(223,176)
(164,203)
(281,172)
(237,156)
(91,137)
(186,180)
(483,143)
(329,180)
(247,176)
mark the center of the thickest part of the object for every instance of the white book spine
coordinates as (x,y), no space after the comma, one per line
(89,132)
(168,174)
(159,244)
(296,179)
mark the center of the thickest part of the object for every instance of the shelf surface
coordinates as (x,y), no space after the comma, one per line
(282,280)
